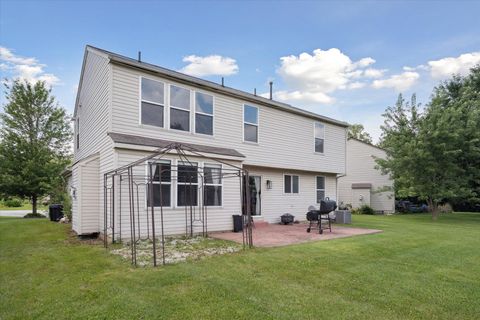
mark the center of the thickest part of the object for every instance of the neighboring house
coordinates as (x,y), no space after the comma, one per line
(363,183)
(126,109)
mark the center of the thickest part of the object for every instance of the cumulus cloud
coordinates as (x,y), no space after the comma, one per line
(398,82)
(444,68)
(313,77)
(24,68)
(209,66)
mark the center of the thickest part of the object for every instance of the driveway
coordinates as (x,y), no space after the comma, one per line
(17,213)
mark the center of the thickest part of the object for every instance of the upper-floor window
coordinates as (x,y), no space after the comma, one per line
(78,133)
(203,113)
(319,137)
(320,188)
(250,123)
(291,183)
(179,108)
(152,102)
(162,184)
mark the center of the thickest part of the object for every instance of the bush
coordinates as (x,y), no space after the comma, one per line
(364,209)
(13,203)
(33,215)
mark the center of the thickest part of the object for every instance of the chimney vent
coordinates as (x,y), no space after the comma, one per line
(271,89)
(139,56)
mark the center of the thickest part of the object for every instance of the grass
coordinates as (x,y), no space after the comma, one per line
(415,269)
(26,205)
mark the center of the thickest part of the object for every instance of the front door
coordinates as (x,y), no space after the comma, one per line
(255,183)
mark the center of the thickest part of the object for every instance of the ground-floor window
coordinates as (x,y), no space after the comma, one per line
(291,183)
(161,184)
(320,188)
(187,184)
(212,175)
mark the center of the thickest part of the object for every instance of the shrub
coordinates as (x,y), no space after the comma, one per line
(445,208)
(33,215)
(364,209)
(13,203)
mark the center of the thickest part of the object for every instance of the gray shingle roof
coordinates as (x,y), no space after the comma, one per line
(160,143)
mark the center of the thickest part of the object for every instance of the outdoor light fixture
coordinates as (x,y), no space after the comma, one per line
(269,184)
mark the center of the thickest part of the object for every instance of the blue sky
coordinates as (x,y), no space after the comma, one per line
(348,60)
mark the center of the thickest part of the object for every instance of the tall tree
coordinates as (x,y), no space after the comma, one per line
(436,155)
(35,139)
(357,131)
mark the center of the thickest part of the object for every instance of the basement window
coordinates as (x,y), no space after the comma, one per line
(152,103)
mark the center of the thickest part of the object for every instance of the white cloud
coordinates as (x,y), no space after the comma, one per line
(28,69)
(313,77)
(444,68)
(209,66)
(399,82)
(374,73)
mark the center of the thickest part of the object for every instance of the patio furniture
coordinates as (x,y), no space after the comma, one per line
(316,217)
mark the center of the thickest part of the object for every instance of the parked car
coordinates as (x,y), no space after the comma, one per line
(408,206)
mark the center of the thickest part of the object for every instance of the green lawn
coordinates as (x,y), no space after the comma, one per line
(415,269)
(26,205)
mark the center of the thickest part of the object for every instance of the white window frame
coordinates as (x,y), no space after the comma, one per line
(213,165)
(202,113)
(148,101)
(315,137)
(249,123)
(154,163)
(324,188)
(291,183)
(177,183)
(179,108)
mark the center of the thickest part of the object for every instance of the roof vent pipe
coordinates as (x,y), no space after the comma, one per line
(223,82)
(271,89)
(254,91)
(139,56)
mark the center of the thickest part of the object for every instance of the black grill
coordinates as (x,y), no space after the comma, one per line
(315,217)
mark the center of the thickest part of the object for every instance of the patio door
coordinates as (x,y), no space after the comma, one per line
(255,183)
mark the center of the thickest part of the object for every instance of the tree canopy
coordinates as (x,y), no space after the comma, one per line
(357,131)
(35,139)
(435,155)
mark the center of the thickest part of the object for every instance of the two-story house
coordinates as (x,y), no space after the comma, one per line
(125,109)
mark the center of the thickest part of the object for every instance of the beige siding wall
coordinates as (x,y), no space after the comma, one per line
(286,140)
(218,218)
(275,202)
(76,218)
(86,205)
(361,169)
(93,110)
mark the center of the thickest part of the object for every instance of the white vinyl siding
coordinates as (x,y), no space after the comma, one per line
(93,110)
(361,169)
(286,138)
(219,217)
(275,202)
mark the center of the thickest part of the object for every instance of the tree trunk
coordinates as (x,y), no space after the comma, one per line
(34,204)
(433,207)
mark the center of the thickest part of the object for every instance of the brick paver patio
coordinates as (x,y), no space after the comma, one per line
(274,235)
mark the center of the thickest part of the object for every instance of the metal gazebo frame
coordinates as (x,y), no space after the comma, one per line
(193,213)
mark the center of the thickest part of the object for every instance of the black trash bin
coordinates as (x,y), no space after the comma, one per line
(237,223)
(55,212)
